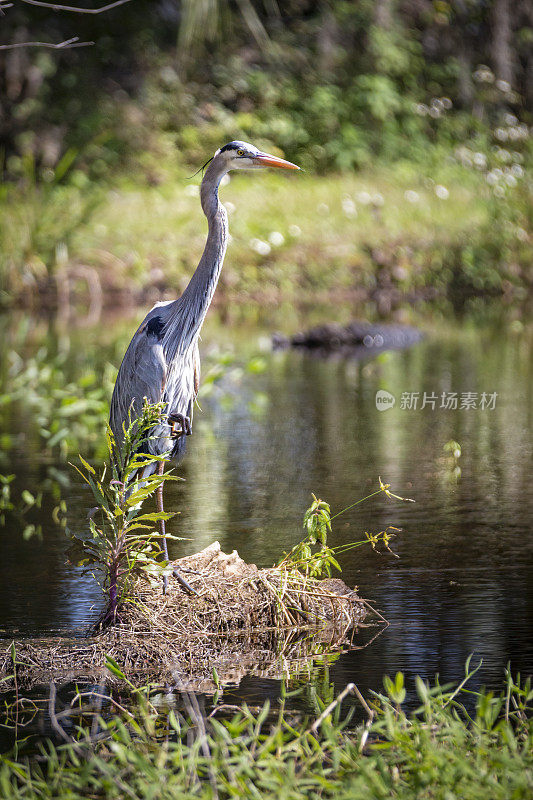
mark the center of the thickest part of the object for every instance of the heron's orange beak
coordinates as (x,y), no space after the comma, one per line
(266,160)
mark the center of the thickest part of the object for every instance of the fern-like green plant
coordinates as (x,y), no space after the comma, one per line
(125,543)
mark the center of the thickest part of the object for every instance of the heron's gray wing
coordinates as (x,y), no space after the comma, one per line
(181,382)
(143,373)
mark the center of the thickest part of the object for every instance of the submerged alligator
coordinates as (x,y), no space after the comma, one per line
(351,337)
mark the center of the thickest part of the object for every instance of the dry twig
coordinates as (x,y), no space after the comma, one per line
(75,9)
(68,44)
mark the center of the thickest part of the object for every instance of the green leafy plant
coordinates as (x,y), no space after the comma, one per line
(313,556)
(42,214)
(17,510)
(65,414)
(6,503)
(125,544)
(315,563)
(454,452)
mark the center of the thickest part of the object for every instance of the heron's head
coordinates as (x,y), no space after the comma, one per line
(241,155)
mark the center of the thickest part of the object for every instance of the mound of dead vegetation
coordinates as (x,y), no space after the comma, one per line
(240,619)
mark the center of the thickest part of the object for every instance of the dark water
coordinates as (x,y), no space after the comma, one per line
(463,582)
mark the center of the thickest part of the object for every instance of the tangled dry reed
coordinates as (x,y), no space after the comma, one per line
(242,619)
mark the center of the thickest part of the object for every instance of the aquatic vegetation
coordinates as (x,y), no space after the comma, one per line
(6,503)
(64,415)
(124,545)
(232,611)
(18,508)
(457,742)
(244,620)
(317,523)
(119,549)
(454,451)
(69,414)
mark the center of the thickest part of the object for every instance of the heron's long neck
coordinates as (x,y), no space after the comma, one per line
(196,299)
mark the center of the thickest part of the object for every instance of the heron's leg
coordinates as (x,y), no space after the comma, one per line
(160,470)
(183,421)
(179,578)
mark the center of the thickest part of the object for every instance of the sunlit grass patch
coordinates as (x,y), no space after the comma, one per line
(294,236)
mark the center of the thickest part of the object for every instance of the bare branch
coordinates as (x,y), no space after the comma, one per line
(55,7)
(66,45)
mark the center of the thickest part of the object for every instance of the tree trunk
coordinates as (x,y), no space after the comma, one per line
(465,89)
(527,10)
(328,42)
(383,14)
(502,54)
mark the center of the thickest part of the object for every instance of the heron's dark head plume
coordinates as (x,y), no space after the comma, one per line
(201,168)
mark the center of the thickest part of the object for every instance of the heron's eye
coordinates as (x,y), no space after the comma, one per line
(240,152)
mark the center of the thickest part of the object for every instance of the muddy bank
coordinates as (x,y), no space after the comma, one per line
(241,620)
(94,297)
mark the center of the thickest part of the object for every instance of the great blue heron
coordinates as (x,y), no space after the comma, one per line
(162,362)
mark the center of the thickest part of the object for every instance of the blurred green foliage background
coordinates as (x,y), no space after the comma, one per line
(416,95)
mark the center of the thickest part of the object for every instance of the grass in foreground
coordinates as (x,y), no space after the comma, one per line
(439,751)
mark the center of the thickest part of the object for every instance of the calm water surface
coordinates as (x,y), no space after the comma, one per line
(263,442)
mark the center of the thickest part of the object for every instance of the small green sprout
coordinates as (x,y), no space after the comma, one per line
(317,523)
(453,448)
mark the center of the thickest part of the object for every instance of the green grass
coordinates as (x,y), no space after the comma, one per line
(353,231)
(440,751)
